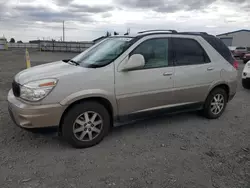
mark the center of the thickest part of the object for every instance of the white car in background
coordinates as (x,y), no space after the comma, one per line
(246,76)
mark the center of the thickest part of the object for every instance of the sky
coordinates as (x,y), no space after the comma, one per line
(86,20)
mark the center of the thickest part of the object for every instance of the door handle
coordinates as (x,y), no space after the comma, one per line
(167,74)
(210,68)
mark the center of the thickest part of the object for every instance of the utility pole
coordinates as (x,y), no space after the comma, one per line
(63,32)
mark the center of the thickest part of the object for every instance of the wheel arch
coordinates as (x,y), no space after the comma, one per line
(220,85)
(105,102)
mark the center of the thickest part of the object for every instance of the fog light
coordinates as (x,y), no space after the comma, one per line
(244,74)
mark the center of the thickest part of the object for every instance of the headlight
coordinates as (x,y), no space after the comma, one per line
(37,90)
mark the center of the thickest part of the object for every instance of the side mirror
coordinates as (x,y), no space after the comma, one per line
(134,62)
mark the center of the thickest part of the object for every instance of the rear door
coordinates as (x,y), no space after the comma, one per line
(194,71)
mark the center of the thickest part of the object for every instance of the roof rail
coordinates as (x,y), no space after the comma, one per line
(146,31)
(198,33)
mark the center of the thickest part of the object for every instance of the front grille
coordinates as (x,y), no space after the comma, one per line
(16,89)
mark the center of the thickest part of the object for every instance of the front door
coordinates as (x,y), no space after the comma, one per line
(150,87)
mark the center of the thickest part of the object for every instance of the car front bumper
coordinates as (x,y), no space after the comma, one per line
(34,116)
(246,72)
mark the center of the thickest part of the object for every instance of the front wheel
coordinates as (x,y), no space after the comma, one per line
(215,103)
(86,124)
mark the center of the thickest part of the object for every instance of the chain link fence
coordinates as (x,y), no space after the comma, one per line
(58,46)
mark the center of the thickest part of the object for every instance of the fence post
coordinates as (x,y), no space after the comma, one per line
(6,46)
(27,58)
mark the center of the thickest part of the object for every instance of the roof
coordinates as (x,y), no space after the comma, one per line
(154,32)
(146,33)
(246,30)
(102,37)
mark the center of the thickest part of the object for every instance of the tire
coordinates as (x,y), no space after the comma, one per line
(78,113)
(245,84)
(208,107)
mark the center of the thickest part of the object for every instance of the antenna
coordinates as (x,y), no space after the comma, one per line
(63,32)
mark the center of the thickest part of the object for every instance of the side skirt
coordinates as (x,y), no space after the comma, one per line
(157,113)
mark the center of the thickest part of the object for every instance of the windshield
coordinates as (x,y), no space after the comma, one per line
(104,53)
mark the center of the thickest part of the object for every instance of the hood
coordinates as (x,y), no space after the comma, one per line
(49,70)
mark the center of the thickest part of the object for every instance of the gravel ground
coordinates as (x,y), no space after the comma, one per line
(180,151)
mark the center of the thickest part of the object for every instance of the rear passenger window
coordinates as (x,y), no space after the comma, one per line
(155,52)
(189,52)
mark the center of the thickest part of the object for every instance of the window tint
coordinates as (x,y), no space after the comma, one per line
(155,52)
(220,47)
(189,52)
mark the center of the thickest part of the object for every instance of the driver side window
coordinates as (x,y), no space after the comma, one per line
(155,52)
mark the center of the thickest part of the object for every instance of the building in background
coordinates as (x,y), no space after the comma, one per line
(3,43)
(236,38)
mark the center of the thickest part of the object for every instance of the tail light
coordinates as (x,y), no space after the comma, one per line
(236,64)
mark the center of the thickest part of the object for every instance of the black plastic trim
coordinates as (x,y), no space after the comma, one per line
(160,112)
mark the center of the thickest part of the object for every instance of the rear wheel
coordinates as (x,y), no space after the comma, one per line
(215,103)
(245,84)
(86,124)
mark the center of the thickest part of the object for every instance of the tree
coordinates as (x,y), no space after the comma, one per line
(12,40)
(19,41)
(115,33)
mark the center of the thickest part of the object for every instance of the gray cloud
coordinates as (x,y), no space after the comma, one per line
(173,6)
(23,16)
(165,5)
(141,3)
(106,15)
(28,13)
(48,15)
(2,8)
(91,9)
(63,2)
(168,8)
(198,4)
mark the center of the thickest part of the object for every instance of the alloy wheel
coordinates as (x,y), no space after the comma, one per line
(217,104)
(87,126)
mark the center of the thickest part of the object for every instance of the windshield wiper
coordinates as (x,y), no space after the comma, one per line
(74,62)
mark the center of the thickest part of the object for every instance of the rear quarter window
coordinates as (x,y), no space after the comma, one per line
(220,47)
